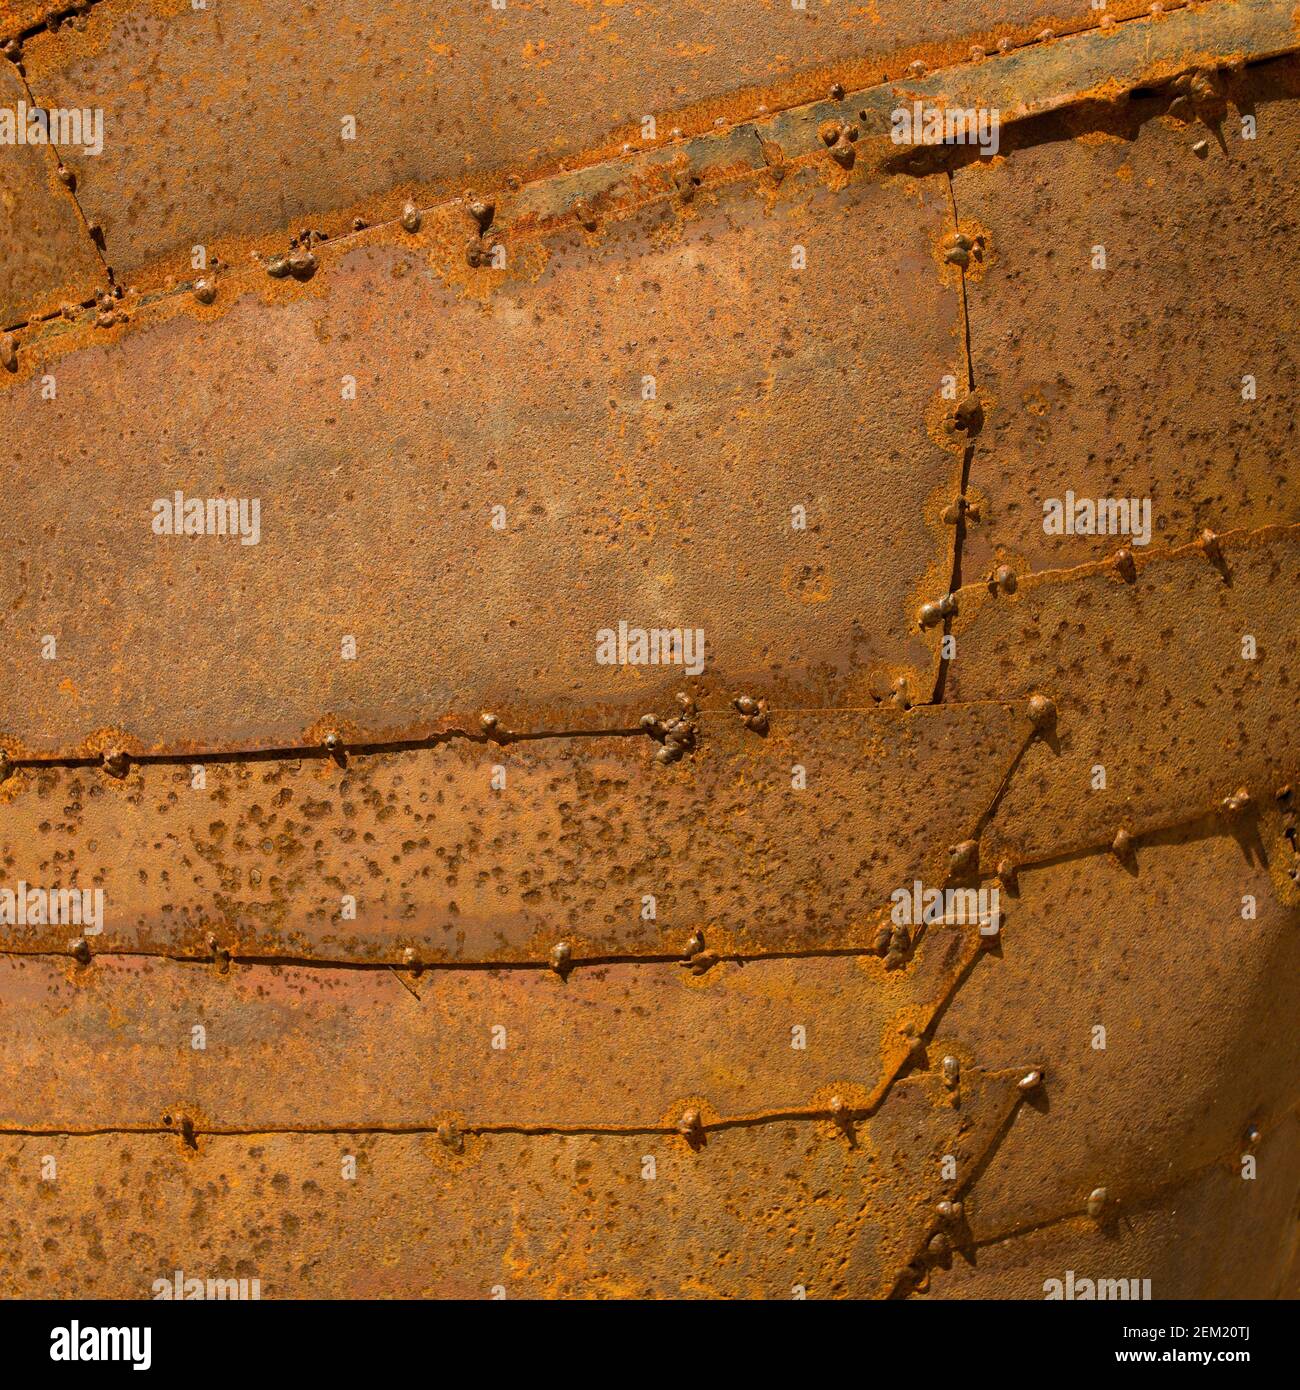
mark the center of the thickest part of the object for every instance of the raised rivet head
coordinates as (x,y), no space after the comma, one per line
(1042,712)
(1004,579)
(81,950)
(963,856)
(837,91)
(1238,804)
(205,290)
(694,944)
(916,69)
(116,762)
(450,1137)
(930,615)
(561,957)
(1210,544)
(410,956)
(482,212)
(939,1245)
(332,742)
(1253,1135)
(488,720)
(410,218)
(951,1072)
(1031,1081)
(1097,1200)
(1122,845)
(1126,565)
(690,1124)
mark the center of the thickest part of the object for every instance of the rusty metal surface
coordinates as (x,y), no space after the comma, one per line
(1198,1008)
(751,1213)
(375,521)
(610,1046)
(654,881)
(439,859)
(1175,1240)
(47,258)
(494,91)
(1150,684)
(1176,225)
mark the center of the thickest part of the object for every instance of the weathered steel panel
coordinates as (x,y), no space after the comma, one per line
(752,1213)
(471,850)
(1103,383)
(1196,1000)
(610,1046)
(47,258)
(1154,682)
(1175,1239)
(198,101)
(774,389)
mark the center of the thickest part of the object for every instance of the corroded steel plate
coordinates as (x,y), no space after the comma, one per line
(610,1046)
(47,259)
(1196,1006)
(461,93)
(1096,383)
(1153,683)
(752,1213)
(473,850)
(1173,1239)
(774,390)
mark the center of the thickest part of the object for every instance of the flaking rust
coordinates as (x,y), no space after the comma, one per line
(537,693)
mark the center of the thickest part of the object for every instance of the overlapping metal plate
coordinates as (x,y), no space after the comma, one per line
(609,1047)
(777,1210)
(472,850)
(774,389)
(467,93)
(1186,960)
(1153,377)
(47,258)
(1156,685)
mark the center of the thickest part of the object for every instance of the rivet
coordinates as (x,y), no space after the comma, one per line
(963,856)
(68,178)
(746,704)
(837,91)
(881,944)
(1004,45)
(694,944)
(450,1137)
(582,211)
(916,69)
(951,1072)
(1004,578)
(488,721)
(1237,804)
(1007,873)
(410,218)
(1042,712)
(949,1210)
(1201,148)
(561,957)
(359,224)
(1126,566)
(1210,544)
(1097,1200)
(840,1111)
(1122,845)
(410,956)
(1253,1135)
(81,950)
(1046,35)
(1031,1081)
(690,1124)
(930,614)
(278,267)
(829,131)
(302,264)
(205,290)
(1108,21)
(13,50)
(8,353)
(116,762)
(976,53)
(332,742)
(902,696)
